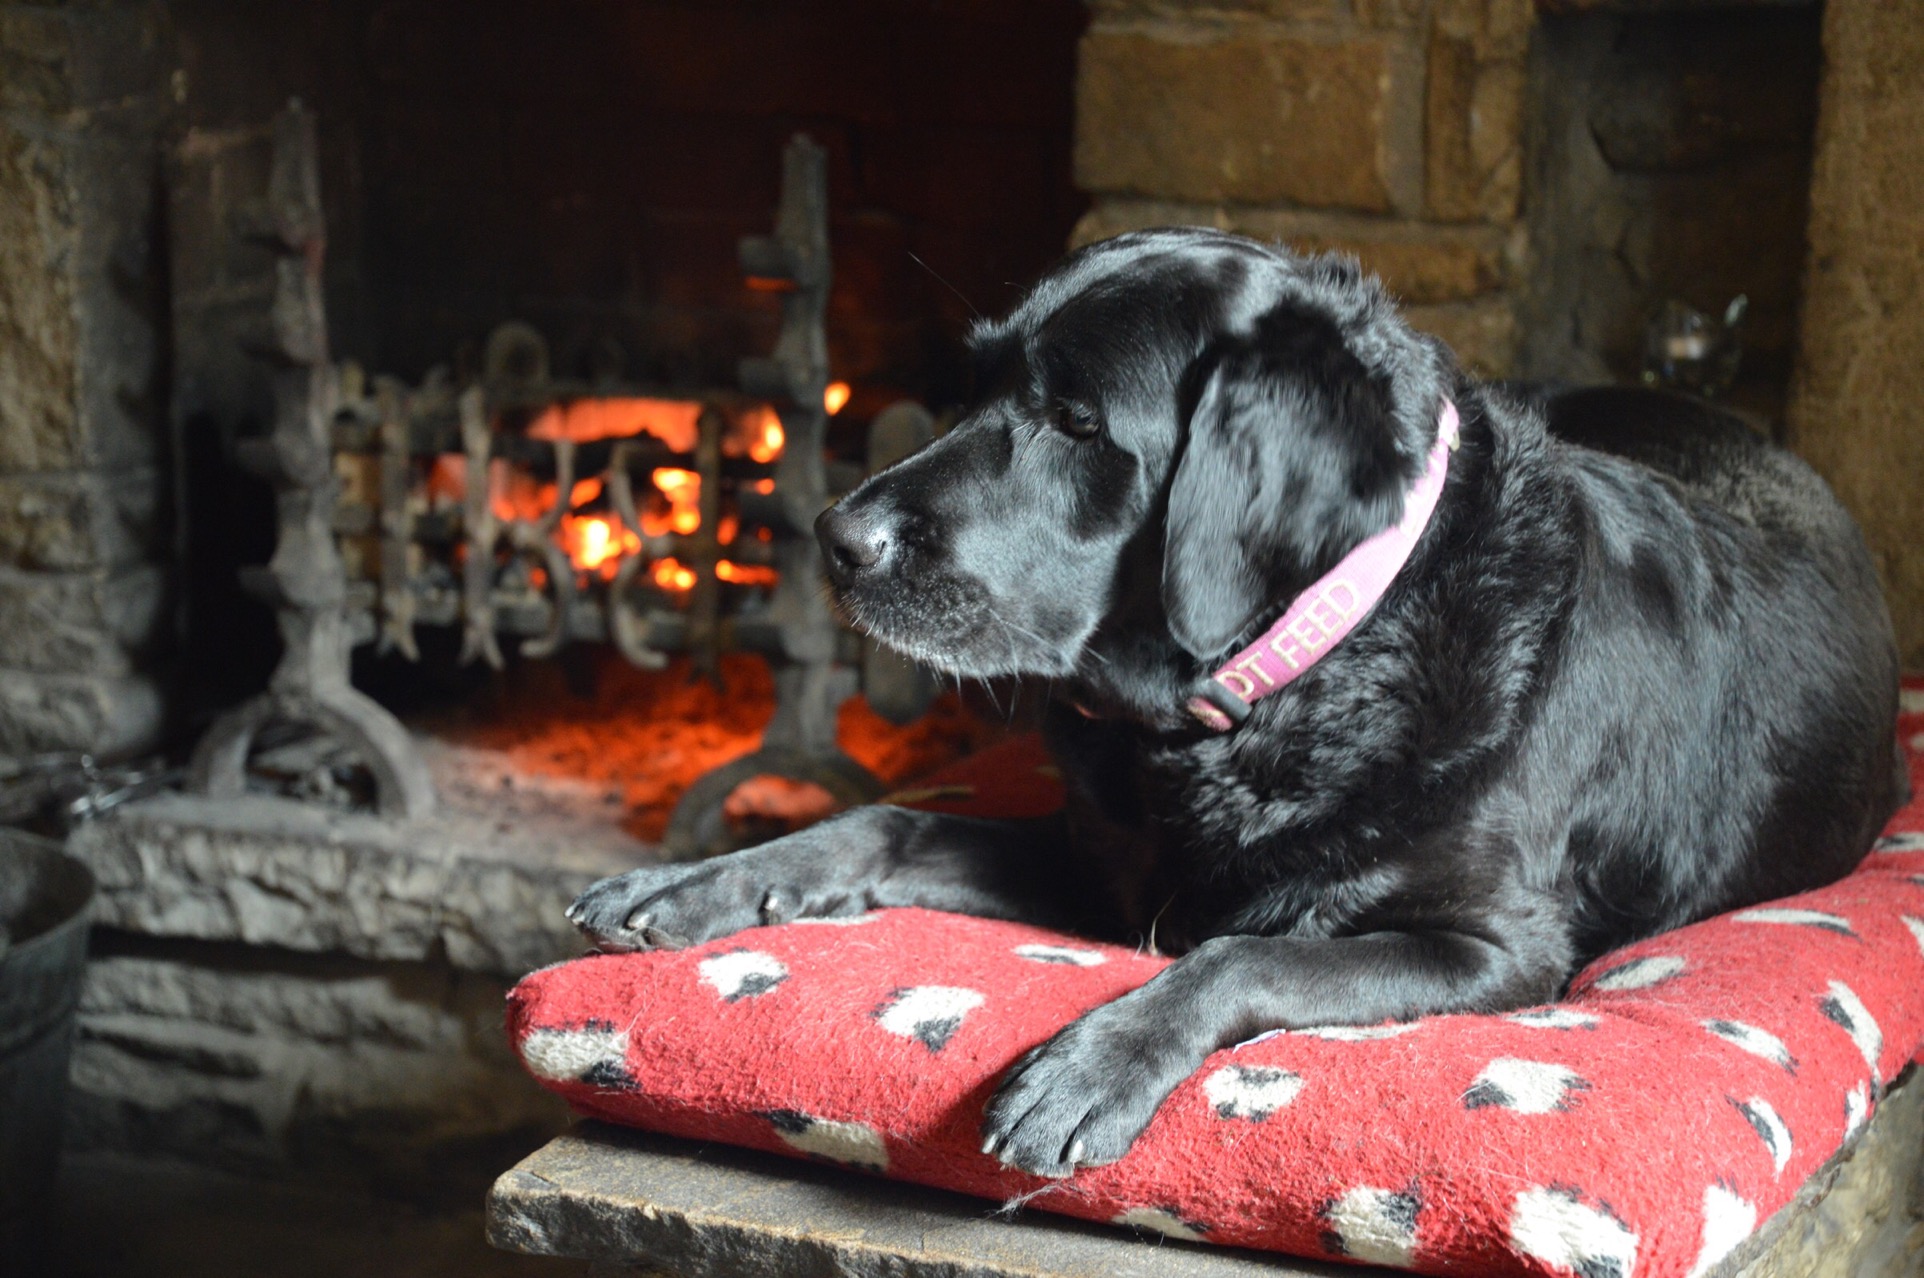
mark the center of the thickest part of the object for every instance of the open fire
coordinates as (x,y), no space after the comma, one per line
(589,529)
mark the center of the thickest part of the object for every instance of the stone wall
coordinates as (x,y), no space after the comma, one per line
(1857,404)
(394,1075)
(1532,181)
(83,512)
(1391,129)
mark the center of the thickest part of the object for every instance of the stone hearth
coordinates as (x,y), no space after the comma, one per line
(277,984)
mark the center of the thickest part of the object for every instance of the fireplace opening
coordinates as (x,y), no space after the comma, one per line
(562,217)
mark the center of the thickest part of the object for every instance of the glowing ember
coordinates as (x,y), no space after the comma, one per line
(514,494)
(765,437)
(649,734)
(672,574)
(682,488)
(597,543)
(746,574)
(779,803)
(447,481)
(835,397)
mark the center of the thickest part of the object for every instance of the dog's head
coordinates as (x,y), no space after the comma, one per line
(1177,431)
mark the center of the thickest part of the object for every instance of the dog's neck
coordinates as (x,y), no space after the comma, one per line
(1318,618)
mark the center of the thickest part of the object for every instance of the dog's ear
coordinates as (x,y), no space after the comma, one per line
(1292,457)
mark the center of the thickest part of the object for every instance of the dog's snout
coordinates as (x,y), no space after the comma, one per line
(851,544)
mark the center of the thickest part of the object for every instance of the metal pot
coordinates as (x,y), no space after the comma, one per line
(44,899)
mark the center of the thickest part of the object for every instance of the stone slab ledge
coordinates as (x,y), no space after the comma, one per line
(486,892)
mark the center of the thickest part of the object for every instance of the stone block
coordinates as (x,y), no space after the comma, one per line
(1495,28)
(486,894)
(1678,97)
(79,299)
(1473,160)
(110,716)
(1418,262)
(1245,113)
(1307,11)
(120,305)
(1483,333)
(1393,15)
(56,59)
(81,522)
(33,56)
(248,1059)
(624,1198)
(39,347)
(81,623)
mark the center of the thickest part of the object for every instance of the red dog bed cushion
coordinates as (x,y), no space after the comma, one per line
(1643,1126)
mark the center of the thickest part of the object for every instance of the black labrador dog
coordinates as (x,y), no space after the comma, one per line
(1635,671)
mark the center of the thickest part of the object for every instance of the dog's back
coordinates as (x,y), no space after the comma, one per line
(1713,454)
(1783,665)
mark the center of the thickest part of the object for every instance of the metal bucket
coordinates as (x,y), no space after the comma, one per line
(44,895)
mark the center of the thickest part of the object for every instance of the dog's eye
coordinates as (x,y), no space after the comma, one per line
(1077,420)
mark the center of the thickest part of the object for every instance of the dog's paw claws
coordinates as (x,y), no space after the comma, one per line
(1079,1100)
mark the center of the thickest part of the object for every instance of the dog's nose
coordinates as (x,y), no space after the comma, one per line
(851,545)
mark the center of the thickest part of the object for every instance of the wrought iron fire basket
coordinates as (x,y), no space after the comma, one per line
(528,508)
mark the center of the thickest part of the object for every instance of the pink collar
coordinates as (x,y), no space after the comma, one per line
(1319,617)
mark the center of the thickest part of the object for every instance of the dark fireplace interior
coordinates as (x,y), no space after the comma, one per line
(588,168)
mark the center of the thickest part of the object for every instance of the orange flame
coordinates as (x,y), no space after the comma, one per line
(675,422)
(447,480)
(765,436)
(835,397)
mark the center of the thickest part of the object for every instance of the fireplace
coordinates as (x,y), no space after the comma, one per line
(561,232)
(540,511)
(456,389)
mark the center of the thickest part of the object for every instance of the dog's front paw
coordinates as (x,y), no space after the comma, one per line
(1082,1098)
(808,874)
(655,907)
